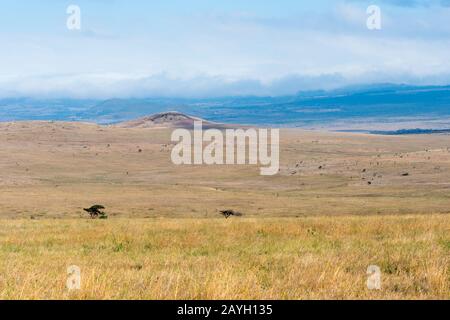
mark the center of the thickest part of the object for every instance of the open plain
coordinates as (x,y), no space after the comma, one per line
(341,202)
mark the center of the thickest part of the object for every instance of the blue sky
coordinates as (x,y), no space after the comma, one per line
(217,47)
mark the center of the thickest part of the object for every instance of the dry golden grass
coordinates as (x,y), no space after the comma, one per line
(238,258)
(309,232)
(53,170)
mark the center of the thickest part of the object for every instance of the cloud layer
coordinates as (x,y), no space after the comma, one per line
(229,50)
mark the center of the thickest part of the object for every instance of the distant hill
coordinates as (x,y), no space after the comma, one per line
(171,119)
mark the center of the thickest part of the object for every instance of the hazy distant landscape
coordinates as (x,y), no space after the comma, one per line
(365,109)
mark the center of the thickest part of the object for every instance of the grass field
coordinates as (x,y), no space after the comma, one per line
(340,203)
(238,258)
(53,170)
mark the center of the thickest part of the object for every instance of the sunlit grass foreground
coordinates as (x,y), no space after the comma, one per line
(238,258)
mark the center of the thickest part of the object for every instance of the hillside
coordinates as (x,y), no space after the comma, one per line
(54,169)
(340,203)
(170,119)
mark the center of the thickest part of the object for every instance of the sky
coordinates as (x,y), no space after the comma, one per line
(205,48)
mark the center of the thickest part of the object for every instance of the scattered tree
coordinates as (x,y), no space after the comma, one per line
(228,213)
(95,212)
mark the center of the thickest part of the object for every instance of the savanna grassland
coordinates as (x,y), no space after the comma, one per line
(306,258)
(340,203)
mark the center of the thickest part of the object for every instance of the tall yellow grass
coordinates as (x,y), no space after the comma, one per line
(305,258)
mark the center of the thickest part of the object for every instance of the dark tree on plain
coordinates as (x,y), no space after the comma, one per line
(228,213)
(95,212)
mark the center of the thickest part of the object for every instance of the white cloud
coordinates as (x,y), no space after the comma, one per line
(104,86)
(234,53)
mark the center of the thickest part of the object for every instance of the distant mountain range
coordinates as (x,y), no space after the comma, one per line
(374,107)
